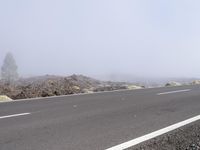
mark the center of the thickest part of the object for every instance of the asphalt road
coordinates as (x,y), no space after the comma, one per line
(94,121)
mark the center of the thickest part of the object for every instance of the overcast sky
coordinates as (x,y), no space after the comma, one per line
(151,38)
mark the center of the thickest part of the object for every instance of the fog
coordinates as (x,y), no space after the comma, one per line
(100,38)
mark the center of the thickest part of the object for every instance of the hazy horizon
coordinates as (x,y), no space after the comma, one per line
(140,38)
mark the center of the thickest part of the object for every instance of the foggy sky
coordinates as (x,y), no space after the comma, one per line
(97,37)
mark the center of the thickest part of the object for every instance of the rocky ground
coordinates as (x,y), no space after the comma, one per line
(185,138)
(48,85)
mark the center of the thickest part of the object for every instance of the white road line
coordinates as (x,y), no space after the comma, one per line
(14,115)
(153,134)
(171,92)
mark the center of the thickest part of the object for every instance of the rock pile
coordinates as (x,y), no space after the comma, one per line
(45,86)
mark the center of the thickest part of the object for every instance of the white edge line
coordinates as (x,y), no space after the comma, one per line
(14,115)
(152,135)
(171,92)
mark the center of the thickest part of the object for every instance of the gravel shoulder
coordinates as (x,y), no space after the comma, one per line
(185,138)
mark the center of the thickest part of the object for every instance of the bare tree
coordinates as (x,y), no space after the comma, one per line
(9,69)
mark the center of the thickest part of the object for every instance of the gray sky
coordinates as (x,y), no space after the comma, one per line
(95,37)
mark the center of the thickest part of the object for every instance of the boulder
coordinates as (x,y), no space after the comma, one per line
(4,98)
(173,84)
(196,82)
(132,87)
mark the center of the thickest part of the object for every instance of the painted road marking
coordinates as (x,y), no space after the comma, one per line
(153,134)
(14,115)
(171,92)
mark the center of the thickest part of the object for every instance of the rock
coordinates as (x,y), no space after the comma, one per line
(173,84)
(4,98)
(196,82)
(76,88)
(87,91)
(132,87)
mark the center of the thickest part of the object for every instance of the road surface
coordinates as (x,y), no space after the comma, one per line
(94,121)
